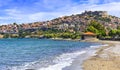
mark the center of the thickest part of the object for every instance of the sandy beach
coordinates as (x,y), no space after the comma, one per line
(106,58)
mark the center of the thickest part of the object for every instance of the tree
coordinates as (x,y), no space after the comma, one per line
(118,32)
(14,23)
(6,36)
(97,28)
(113,32)
(92,29)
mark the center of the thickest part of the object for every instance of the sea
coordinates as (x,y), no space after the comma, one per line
(44,54)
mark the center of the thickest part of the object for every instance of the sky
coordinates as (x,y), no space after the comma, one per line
(26,11)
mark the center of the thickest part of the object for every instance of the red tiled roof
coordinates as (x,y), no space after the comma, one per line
(89,33)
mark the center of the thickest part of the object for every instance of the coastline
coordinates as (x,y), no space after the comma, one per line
(96,52)
(106,58)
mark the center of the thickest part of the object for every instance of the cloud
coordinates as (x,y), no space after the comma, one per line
(12,12)
(112,8)
(42,10)
(110,1)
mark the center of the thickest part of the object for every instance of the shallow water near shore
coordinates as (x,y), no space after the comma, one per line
(43,54)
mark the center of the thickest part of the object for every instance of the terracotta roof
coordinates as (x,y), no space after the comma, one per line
(89,33)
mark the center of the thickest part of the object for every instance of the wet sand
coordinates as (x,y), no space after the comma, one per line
(107,58)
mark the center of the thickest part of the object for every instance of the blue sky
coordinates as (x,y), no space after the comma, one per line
(24,11)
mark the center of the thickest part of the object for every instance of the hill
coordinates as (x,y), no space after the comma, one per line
(73,23)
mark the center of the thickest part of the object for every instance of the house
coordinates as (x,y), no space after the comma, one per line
(89,36)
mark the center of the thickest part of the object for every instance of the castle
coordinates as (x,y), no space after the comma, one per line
(99,13)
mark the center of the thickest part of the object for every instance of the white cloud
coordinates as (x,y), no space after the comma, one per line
(93,1)
(110,1)
(112,8)
(11,11)
(6,18)
(64,9)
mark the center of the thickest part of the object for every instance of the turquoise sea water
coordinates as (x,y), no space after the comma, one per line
(39,54)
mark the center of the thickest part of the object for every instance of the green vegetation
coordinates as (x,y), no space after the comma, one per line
(49,33)
(100,30)
(53,33)
(64,35)
(114,32)
(96,28)
(6,36)
(10,36)
(98,22)
(93,26)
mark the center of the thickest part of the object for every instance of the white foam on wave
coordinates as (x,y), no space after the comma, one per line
(63,60)
(25,66)
(77,63)
(97,46)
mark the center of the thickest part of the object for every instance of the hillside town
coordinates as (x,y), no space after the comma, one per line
(73,23)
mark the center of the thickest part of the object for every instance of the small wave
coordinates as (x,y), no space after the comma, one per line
(63,61)
(97,46)
(60,62)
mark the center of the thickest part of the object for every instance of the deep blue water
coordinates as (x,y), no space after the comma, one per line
(34,53)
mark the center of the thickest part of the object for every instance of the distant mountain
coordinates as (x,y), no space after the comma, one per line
(77,22)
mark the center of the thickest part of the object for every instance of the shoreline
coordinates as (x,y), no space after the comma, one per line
(69,39)
(87,58)
(94,40)
(106,58)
